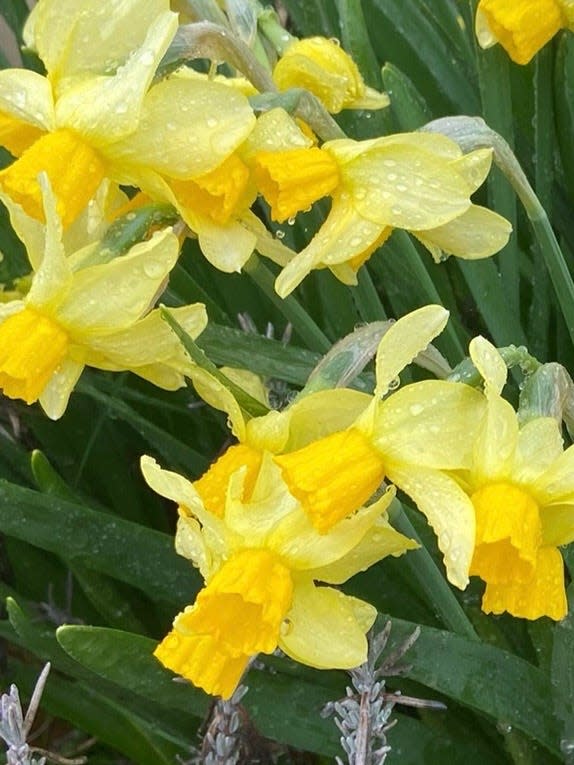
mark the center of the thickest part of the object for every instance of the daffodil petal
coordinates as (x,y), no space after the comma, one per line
(187,128)
(556,484)
(542,595)
(405,339)
(474,167)
(219,397)
(495,443)
(344,235)
(558,523)
(104,109)
(477,233)
(227,246)
(380,541)
(489,363)
(403,186)
(449,511)
(539,444)
(431,424)
(324,629)
(80,37)
(190,544)
(296,539)
(113,295)
(55,396)
(150,340)
(27,96)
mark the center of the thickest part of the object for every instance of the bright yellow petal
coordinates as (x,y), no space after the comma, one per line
(508,533)
(112,296)
(203,661)
(431,424)
(75,171)
(522,27)
(213,485)
(404,340)
(17,136)
(323,627)
(292,180)
(449,511)
(543,594)
(333,477)
(477,233)
(187,128)
(32,347)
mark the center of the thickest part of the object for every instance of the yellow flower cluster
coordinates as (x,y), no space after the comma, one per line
(300,503)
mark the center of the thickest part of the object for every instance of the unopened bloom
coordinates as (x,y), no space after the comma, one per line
(519,487)
(522,27)
(97,114)
(261,557)
(322,67)
(414,181)
(97,315)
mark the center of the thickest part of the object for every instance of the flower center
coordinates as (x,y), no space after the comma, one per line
(508,534)
(293,179)
(220,194)
(75,171)
(333,477)
(32,347)
(212,486)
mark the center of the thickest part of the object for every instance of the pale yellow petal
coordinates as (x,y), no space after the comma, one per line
(112,296)
(55,396)
(474,167)
(274,130)
(305,548)
(558,523)
(190,544)
(219,397)
(495,443)
(27,96)
(344,235)
(404,186)
(150,340)
(226,246)
(449,511)
(431,424)
(323,629)
(80,37)
(405,339)
(187,128)
(539,445)
(489,363)
(105,109)
(556,484)
(477,233)
(380,541)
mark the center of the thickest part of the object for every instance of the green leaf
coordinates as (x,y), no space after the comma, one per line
(121,549)
(408,104)
(496,683)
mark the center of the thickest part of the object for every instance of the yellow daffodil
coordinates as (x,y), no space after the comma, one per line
(322,67)
(414,181)
(335,447)
(519,488)
(522,27)
(98,315)
(261,557)
(98,114)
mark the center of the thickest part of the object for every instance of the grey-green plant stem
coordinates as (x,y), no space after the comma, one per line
(430,579)
(473,133)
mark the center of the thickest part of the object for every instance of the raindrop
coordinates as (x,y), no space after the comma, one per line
(567,746)
(396,209)
(291,220)
(389,163)
(402,187)
(416,409)
(212,122)
(154,269)
(392,177)
(147,58)
(394,383)
(286,627)
(503,727)
(356,241)
(280,234)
